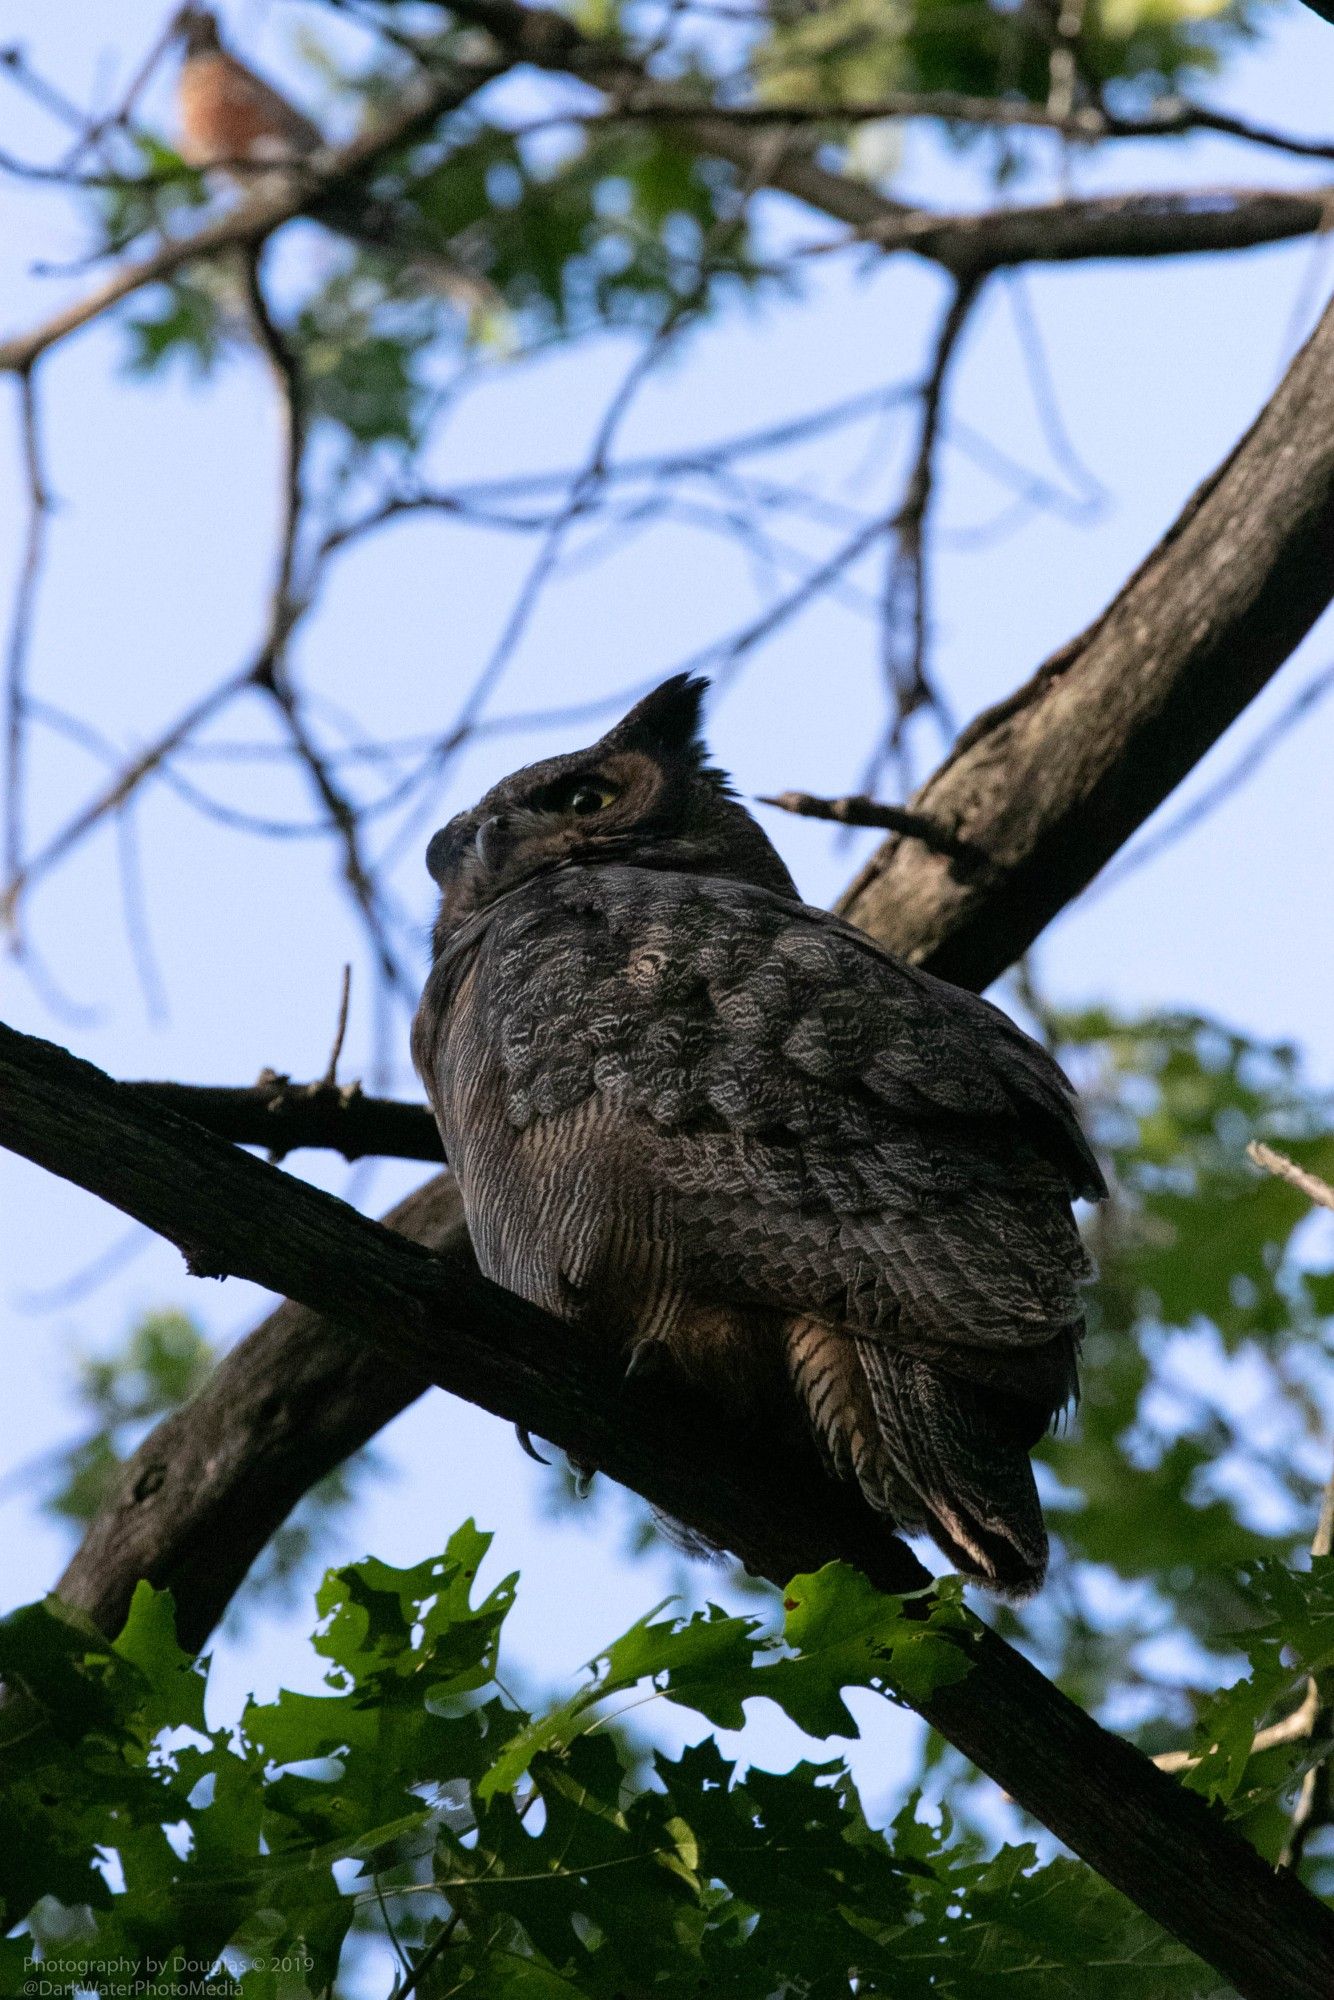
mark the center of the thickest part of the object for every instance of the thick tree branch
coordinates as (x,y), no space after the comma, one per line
(433,1315)
(1049,784)
(199,1499)
(1174,224)
(282,1117)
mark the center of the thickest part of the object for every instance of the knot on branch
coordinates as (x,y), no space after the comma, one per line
(202,1261)
(324,1099)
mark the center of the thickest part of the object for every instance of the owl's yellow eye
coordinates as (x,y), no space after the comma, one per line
(581,796)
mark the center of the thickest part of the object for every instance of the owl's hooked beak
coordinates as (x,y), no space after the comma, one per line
(449,847)
(489,842)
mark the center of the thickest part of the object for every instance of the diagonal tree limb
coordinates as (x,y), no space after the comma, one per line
(1051,782)
(432,1315)
(199,1499)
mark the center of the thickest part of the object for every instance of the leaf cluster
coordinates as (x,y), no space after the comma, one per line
(508,1853)
(850,50)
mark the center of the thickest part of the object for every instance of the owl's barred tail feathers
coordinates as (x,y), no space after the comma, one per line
(928,1450)
(974,1484)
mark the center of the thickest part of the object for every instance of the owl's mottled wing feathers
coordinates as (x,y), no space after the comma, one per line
(847,1133)
(843,1139)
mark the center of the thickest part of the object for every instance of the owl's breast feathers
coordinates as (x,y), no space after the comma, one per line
(689,1097)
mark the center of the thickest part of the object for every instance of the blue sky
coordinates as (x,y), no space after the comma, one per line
(160,558)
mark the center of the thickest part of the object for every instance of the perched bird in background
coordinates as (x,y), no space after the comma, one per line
(729,1134)
(231,119)
(236,125)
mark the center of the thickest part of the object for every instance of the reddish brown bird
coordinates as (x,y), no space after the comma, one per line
(235,124)
(231,119)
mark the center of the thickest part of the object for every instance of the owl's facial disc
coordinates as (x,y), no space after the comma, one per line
(580,808)
(644,796)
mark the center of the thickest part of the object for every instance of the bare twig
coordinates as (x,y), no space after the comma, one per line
(1292,1728)
(330,1077)
(126,183)
(860,811)
(119,117)
(14,61)
(121,786)
(1317,1191)
(1088,488)
(344,820)
(286,605)
(906,599)
(291,404)
(21,627)
(1173,117)
(135,907)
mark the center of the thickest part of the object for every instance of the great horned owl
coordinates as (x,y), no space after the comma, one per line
(728,1133)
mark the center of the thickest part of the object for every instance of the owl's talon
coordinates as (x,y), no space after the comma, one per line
(525,1438)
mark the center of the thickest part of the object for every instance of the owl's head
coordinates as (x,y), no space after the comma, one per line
(643,796)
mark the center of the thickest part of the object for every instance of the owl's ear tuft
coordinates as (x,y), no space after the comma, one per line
(666,723)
